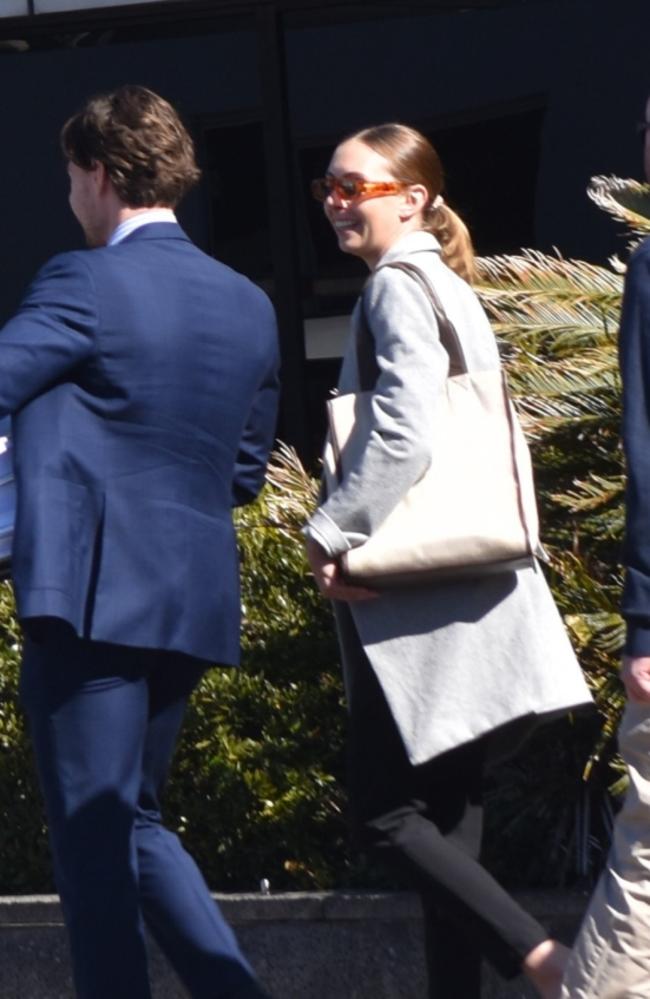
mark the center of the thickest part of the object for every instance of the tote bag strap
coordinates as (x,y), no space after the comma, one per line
(366,359)
(458,365)
(446,330)
(367,366)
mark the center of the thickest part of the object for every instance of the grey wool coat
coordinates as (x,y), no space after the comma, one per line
(455,659)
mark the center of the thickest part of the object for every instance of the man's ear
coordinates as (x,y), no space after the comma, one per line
(100,176)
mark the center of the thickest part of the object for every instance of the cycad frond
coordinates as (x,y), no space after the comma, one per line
(552,394)
(592,493)
(584,592)
(586,369)
(627,201)
(543,303)
(293,495)
(557,322)
(560,329)
(533,275)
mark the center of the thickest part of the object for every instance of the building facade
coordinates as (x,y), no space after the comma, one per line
(525,100)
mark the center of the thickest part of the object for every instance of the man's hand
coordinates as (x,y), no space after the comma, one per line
(328,577)
(636,677)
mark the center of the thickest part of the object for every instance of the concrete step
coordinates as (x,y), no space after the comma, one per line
(325,945)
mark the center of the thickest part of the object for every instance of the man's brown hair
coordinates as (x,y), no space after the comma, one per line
(141,141)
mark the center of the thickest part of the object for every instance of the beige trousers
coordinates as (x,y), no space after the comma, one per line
(611,956)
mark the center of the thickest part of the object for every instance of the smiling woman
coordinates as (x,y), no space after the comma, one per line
(440,676)
(362,210)
(384,163)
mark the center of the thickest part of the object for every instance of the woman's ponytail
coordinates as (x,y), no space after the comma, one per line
(454,238)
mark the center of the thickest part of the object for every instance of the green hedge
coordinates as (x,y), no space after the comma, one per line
(257,784)
(256,788)
(24,860)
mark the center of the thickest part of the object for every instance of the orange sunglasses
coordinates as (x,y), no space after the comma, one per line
(353,188)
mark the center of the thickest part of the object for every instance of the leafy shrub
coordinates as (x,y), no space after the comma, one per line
(558,321)
(24,858)
(256,789)
(257,782)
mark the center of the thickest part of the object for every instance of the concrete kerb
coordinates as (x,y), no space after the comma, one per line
(304,945)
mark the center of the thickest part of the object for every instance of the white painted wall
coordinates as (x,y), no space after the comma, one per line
(52,6)
(13,8)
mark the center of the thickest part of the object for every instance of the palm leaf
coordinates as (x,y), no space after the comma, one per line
(533,276)
(294,491)
(626,201)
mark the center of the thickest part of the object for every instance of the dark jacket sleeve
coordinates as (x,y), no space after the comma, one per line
(259,432)
(635,372)
(52,331)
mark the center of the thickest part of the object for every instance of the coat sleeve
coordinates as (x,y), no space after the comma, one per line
(52,331)
(259,432)
(413,366)
(635,371)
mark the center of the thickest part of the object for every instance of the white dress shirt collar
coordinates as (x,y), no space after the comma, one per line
(134,222)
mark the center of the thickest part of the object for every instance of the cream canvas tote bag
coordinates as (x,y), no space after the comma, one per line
(474,510)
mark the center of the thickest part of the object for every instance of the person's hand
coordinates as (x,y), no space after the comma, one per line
(636,677)
(329,579)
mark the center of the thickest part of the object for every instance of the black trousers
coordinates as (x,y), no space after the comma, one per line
(428,820)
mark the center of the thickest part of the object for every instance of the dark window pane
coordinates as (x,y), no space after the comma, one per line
(239,218)
(491,171)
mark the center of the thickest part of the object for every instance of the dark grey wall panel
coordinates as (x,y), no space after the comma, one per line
(588,60)
(216,74)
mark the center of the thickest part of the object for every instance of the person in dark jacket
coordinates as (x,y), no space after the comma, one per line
(443,675)
(611,958)
(142,379)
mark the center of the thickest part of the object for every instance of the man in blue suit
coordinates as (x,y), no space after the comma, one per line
(611,956)
(142,379)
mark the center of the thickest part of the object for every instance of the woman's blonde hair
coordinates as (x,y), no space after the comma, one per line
(413,159)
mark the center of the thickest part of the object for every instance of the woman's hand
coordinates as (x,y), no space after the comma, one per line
(328,576)
(636,677)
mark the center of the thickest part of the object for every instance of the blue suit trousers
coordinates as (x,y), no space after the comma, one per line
(104,721)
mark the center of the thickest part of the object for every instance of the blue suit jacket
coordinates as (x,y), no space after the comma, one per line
(143,382)
(634,349)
